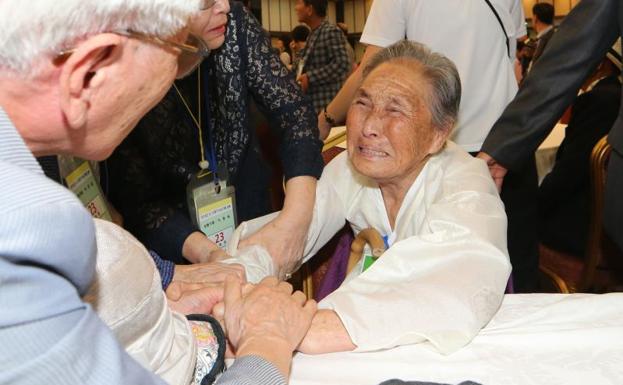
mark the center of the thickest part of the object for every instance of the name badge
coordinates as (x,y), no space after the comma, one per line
(368,258)
(213,208)
(82,182)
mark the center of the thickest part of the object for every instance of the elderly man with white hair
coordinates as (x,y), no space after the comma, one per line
(76,76)
(445,269)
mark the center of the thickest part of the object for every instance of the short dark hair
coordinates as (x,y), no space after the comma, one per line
(319,6)
(300,33)
(544,12)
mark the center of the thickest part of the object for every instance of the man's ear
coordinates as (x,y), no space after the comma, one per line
(83,72)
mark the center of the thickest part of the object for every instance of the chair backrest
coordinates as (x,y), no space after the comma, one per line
(594,252)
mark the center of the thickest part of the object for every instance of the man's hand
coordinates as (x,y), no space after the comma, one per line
(303,81)
(269,321)
(193,298)
(208,273)
(497,170)
(198,248)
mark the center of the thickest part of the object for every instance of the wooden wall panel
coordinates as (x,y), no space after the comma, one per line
(286,20)
(265,18)
(561,7)
(360,17)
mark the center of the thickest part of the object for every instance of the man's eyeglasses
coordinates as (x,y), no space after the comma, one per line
(192,51)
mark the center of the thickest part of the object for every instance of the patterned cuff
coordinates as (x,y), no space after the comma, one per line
(165,268)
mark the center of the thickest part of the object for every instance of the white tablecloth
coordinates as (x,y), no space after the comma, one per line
(545,155)
(544,339)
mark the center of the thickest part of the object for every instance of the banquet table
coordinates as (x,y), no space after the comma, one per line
(544,339)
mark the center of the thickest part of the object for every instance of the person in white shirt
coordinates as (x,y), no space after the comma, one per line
(443,276)
(472,38)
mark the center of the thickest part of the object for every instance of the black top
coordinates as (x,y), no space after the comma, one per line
(150,170)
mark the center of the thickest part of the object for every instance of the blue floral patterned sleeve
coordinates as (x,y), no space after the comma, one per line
(290,113)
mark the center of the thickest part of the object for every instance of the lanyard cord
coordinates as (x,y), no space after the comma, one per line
(203,164)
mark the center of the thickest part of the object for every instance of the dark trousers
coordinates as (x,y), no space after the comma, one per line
(519,194)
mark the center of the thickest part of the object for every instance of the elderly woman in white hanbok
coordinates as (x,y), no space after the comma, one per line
(444,274)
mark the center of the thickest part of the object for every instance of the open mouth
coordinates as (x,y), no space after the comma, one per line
(372,153)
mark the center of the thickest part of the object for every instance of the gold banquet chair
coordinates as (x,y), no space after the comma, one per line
(597,270)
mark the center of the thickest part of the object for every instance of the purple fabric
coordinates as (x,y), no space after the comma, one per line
(336,272)
(510,288)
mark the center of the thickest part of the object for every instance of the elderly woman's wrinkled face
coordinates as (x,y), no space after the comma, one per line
(390,133)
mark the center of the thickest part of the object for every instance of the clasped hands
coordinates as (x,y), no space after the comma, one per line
(267,320)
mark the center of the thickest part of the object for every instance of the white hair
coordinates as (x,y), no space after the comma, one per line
(32,29)
(440,71)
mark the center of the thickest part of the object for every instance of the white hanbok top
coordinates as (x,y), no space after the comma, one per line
(444,274)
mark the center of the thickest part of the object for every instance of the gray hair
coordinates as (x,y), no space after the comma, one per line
(445,96)
(31,29)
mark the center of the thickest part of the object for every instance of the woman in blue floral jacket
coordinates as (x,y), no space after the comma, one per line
(150,170)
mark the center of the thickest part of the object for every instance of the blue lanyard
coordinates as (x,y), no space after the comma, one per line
(209,148)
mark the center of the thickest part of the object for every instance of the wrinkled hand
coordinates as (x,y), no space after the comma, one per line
(198,248)
(323,126)
(303,81)
(192,299)
(218,312)
(208,273)
(284,241)
(269,321)
(496,170)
